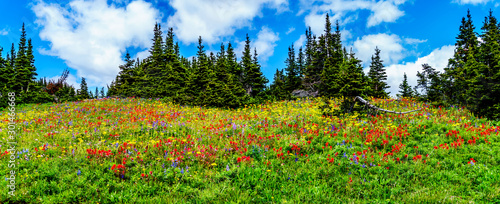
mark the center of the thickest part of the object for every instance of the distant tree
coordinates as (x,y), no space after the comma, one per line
(83,93)
(405,89)
(103,95)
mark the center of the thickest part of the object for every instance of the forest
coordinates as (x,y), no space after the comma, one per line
(323,68)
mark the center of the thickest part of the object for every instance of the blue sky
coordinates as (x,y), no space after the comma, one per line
(90,37)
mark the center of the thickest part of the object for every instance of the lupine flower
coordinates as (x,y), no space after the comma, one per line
(79,172)
(227,167)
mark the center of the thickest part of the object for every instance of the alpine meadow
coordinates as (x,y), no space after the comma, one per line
(171,127)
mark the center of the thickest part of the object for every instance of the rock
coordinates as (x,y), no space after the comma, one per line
(303,93)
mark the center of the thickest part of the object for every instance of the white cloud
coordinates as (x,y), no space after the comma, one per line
(438,59)
(300,42)
(4,31)
(142,55)
(290,30)
(215,19)
(346,12)
(345,35)
(384,11)
(92,36)
(473,2)
(390,45)
(413,41)
(265,44)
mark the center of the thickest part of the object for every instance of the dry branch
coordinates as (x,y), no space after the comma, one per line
(380,109)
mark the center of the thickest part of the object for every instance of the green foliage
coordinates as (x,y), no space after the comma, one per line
(405,89)
(277,88)
(378,76)
(83,92)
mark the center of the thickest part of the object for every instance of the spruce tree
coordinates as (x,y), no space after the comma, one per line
(254,81)
(292,78)
(331,84)
(83,93)
(456,74)
(378,76)
(102,93)
(405,89)
(354,82)
(278,89)
(22,66)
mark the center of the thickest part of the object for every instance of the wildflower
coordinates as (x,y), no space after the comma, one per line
(79,172)
(182,171)
(227,167)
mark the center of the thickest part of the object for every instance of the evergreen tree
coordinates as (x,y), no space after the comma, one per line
(405,89)
(429,82)
(253,79)
(456,75)
(277,88)
(292,79)
(103,95)
(378,76)
(354,82)
(22,65)
(83,93)
(331,79)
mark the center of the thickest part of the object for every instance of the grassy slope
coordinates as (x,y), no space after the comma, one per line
(210,141)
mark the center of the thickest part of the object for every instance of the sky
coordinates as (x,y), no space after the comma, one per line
(91,37)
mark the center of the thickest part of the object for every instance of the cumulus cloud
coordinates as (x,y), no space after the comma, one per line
(384,11)
(473,2)
(265,44)
(346,12)
(216,19)
(390,45)
(92,36)
(413,41)
(300,42)
(438,59)
(4,32)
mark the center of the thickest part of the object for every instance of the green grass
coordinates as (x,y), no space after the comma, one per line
(205,141)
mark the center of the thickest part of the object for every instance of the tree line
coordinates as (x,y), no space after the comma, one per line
(322,68)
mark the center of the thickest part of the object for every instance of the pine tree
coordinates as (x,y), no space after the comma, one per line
(83,93)
(456,75)
(278,89)
(378,76)
(102,93)
(292,78)
(405,89)
(253,81)
(331,85)
(23,67)
(354,82)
